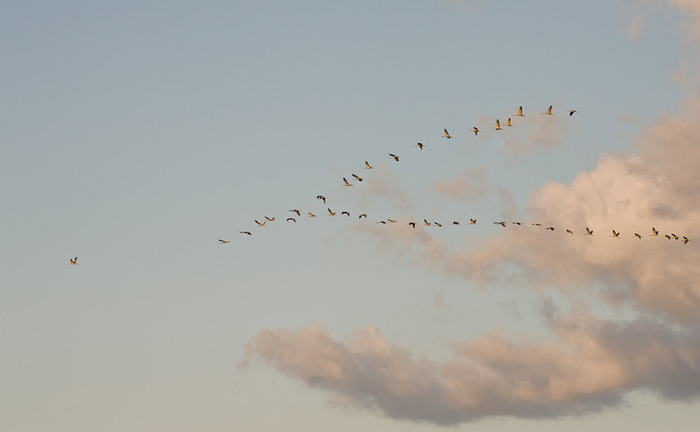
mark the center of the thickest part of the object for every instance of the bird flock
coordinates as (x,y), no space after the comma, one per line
(356,179)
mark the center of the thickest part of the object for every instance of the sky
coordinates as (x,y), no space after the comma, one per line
(137,135)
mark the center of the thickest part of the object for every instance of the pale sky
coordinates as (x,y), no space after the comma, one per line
(136,134)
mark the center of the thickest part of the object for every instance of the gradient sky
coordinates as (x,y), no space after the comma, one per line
(135,134)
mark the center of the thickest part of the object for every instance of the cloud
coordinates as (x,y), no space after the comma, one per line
(635,28)
(589,366)
(542,132)
(467,184)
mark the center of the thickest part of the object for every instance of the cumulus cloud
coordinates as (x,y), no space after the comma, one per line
(590,366)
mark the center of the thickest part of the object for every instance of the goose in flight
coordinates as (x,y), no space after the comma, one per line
(654,232)
(674,236)
(588,232)
(346,213)
(224,241)
(571,112)
(446,134)
(508,123)
(667,236)
(437,224)
(501,223)
(425,221)
(685,240)
(498,125)
(260,224)
(396,158)
(331,212)
(420,146)
(245,232)
(638,235)
(73,261)
(381,222)
(291,219)
(296,211)
(391,220)
(516,223)
(363,215)
(311,215)
(615,234)
(413,224)
(536,224)
(549,111)
(345,182)
(358,178)
(520,112)
(551,228)
(455,223)
(568,231)
(270,219)
(472,221)
(475,130)
(321,197)
(368,166)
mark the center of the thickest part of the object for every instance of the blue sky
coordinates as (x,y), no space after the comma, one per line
(135,135)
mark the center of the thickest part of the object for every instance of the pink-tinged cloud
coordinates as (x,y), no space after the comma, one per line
(536,132)
(468,184)
(589,366)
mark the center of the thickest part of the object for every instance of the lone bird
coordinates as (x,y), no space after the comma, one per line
(396,158)
(73,261)
(446,134)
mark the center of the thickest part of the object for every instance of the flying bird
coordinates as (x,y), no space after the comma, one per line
(331,212)
(685,240)
(311,215)
(73,261)
(551,228)
(437,224)
(291,219)
(654,232)
(615,234)
(358,178)
(501,223)
(571,112)
(396,158)
(260,224)
(447,134)
(363,215)
(549,111)
(269,219)
(420,146)
(520,112)
(568,231)
(426,222)
(498,125)
(475,130)
(321,197)
(345,182)
(346,213)
(472,221)
(588,232)
(224,241)
(391,220)
(674,236)
(368,166)
(455,223)
(381,222)
(508,123)
(413,224)
(638,235)
(296,211)
(245,232)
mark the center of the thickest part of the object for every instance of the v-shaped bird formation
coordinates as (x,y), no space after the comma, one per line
(586,231)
